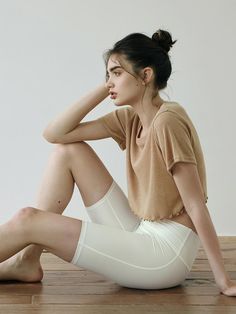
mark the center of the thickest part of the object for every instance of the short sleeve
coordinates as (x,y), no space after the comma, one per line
(116,123)
(173,136)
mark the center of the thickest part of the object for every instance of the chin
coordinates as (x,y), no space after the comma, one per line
(119,103)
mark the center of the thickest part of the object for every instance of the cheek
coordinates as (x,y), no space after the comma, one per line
(128,94)
(129,86)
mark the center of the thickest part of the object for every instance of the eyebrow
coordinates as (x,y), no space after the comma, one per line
(113,68)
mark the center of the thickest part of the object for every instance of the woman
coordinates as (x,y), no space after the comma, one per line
(150,239)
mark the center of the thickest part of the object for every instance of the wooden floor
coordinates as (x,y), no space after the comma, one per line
(67,289)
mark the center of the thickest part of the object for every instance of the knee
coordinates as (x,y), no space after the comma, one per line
(24,215)
(70,149)
(22,221)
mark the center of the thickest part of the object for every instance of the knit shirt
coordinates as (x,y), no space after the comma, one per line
(171,138)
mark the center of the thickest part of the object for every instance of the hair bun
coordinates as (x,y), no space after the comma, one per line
(163,39)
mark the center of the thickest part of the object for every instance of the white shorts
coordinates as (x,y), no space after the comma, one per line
(132,252)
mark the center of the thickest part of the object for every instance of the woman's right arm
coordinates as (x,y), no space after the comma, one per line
(71,117)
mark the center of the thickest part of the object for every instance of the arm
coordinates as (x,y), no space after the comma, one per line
(188,183)
(68,120)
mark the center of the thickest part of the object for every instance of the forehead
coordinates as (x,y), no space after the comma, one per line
(112,62)
(115,60)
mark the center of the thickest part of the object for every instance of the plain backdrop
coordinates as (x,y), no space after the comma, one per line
(51,55)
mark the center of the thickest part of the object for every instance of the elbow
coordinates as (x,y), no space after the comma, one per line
(48,137)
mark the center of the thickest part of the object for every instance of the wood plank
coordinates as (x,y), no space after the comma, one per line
(135,298)
(207,275)
(15,299)
(118,309)
(189,286)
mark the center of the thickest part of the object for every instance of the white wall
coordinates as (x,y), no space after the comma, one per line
(51,54)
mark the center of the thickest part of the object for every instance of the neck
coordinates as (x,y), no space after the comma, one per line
(147,112)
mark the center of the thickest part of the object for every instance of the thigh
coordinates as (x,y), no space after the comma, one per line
(58,234)
(113,209)
(128,258)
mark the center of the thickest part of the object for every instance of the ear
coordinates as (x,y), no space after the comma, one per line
(147,74)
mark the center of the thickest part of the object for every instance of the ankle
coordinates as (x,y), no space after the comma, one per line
(32,252)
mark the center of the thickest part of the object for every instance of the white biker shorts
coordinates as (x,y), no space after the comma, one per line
(133,252)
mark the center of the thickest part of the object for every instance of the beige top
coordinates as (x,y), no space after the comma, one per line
(172,137)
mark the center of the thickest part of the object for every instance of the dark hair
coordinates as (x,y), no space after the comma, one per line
(142,51)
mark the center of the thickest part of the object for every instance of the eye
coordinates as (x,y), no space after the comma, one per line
(115,72)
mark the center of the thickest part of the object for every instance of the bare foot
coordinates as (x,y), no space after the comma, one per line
(16,268)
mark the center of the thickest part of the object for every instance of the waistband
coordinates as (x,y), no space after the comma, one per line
(165,225)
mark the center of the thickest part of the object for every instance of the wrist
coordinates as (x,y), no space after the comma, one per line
(104,89)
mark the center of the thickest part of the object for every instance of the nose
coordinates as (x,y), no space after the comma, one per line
(109,84)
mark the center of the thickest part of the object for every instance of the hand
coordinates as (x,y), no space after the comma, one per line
(229,289)
(106,87)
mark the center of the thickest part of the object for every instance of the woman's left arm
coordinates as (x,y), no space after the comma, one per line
(187,180)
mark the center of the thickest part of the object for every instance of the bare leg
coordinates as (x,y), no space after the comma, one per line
(58,234)
(54,193)
(68,163)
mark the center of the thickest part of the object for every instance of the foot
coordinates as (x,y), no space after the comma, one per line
(16,268)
